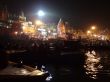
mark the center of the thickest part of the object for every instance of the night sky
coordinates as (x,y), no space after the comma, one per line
(76,12)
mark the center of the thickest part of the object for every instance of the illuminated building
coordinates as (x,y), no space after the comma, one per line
(28,29)
(61,29)
(11,23)
(22,18)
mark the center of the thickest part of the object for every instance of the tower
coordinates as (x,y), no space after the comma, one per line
(61,29)
(22,18)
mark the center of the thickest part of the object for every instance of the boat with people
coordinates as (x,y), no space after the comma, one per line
(11,71)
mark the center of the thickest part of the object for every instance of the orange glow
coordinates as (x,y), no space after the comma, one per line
(93,27)
(38,22)
(16,32)
(88,32)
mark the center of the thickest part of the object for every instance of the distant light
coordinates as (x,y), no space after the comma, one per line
(21,32)
(54,34)
(102,38)
(38,22)
(24,72)
(41,29)
(30,22)
(37,72)
(7,26)
(40,73)
(49,78)
(23,27)
(16,32)
(93,27)
(88,32)
(40,13)
(49,31)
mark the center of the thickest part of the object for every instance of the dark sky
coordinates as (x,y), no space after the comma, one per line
(77,12)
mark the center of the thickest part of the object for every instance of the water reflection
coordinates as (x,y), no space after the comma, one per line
(49,78)
(46,70)
(92,64)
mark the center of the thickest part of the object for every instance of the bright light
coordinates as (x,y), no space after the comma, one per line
(93,27)
(23,27)
(38,22)
(16,32)
(28,29)
(23,71)
(92,64)
(88,32)
(49,31)
(40,13)
(30,22)
(41,29)
(37,72)
(103,38)
(54,34)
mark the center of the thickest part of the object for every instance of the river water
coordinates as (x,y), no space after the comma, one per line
(96,66)
(93,65)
